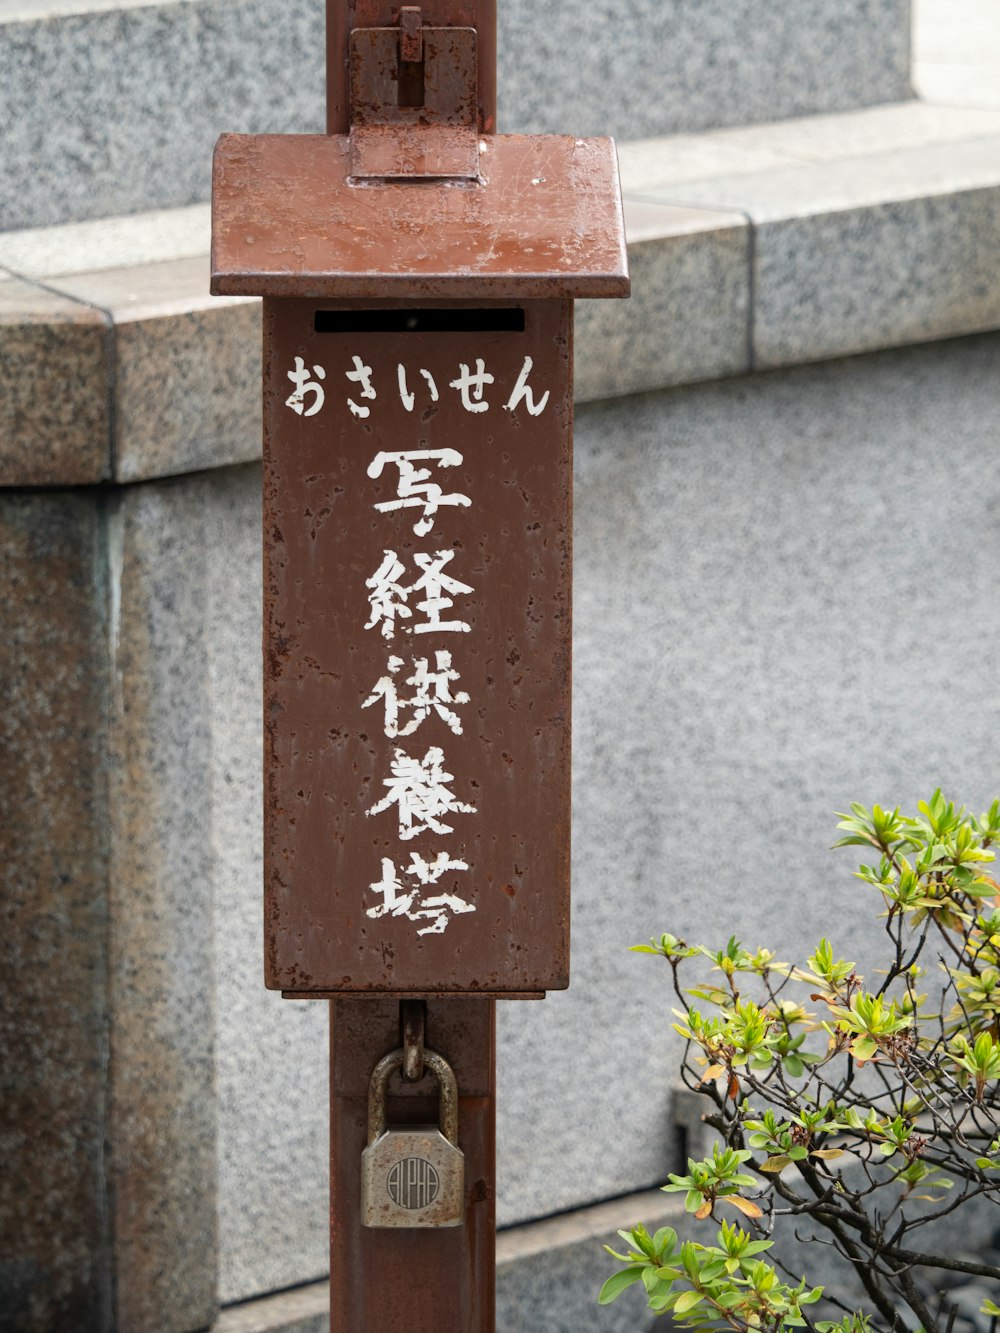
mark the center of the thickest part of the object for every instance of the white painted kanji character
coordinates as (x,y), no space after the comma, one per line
(396,901)
(471,386)
(414,486)
(361,374)
(387,597)
(432,694)
(419,790)
(385,689)
(438,909)
(429,872)
(522,390)
(301,378)
(435,583)
(408,399)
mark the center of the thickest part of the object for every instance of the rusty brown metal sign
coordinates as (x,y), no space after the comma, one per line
(418,274)
(417,534)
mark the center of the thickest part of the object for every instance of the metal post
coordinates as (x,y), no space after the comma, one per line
(412,1281)
(442,1280)
(344,15)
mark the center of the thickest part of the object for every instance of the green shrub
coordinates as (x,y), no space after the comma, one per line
(867,1112)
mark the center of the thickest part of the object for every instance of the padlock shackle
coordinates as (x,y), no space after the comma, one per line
(378,1089)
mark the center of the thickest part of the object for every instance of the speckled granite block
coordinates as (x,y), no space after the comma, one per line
(919,269)
(221,1138)
(756,565)
(271,1054)
(657,68)
(124,241)
(860,253)
(162,966)
(688,316)
(116,111)
(187,382)
(54,388)
(54,1232)
(651,167)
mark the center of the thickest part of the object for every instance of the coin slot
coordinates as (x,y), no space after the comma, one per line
(502,319)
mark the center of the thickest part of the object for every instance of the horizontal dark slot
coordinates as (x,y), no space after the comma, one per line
(503,319)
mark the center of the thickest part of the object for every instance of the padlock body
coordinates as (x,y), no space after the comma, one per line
(412,1177)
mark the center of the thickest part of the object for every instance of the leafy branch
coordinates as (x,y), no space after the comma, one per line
(870,1111)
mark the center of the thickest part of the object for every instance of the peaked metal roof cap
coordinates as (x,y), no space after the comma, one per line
(542,219)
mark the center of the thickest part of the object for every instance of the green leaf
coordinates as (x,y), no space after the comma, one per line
(728,1299)
(617,1283)
(664,1239)
(863,1048)
(687,1300)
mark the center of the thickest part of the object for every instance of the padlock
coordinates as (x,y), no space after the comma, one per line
(413,1176)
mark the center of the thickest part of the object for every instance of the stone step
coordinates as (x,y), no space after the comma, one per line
(112,106)
(548,1276)
(750,249)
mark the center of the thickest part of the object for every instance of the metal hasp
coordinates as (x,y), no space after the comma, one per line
(412,1176)
(418,275)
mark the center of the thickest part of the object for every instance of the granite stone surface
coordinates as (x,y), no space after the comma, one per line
(648,165)
(55,1240)
(919,269)
(757,563)
(271,1054)
(856,254)
(116,110)
(122,241)
(162,948)
(688,316)
(659,68)
(55,362)
(187,368)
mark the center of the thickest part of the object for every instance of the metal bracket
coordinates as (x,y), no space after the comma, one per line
(413,1018)
(411,35)
(413,100)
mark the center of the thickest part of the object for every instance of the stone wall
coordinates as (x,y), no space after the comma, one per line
(114,107)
